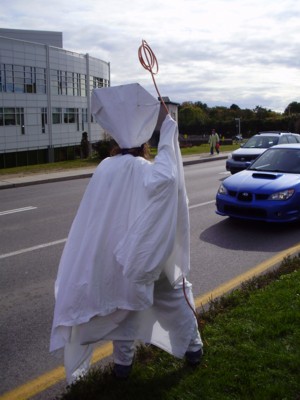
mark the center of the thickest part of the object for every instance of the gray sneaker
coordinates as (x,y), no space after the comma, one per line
(122,371)
(194,357)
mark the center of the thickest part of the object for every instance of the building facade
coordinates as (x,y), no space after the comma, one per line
(45,98)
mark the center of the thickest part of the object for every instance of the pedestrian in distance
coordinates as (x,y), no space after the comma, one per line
(214,142)
(123,272)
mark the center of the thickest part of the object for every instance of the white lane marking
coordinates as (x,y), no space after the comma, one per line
(201,204)
(40,246)
(16,210)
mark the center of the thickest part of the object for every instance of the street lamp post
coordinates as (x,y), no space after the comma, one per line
(238,125)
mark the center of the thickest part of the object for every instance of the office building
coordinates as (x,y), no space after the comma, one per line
(45,97)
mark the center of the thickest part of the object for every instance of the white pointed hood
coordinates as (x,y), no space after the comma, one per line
(128,112)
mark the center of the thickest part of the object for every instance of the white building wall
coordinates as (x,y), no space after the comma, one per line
(51,38)
(30,134)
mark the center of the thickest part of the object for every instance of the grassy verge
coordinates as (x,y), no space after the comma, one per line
(84,163)
(252,351)
(204,148)
(44,168)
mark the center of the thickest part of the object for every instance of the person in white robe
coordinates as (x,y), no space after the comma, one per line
(126,259)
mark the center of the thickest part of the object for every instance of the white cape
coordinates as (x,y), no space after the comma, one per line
(132,227)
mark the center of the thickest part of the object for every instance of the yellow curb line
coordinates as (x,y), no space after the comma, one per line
(43,382)
(51,378)
(233,283)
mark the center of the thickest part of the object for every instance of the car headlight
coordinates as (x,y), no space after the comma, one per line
(229,156)
(284,195)
(222,190)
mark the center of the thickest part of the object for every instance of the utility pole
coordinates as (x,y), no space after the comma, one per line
(238,125)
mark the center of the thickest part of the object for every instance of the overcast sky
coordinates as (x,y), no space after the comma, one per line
(219,52)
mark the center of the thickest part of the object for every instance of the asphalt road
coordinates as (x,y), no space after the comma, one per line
(32,241)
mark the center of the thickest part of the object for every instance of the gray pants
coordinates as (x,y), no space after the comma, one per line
(175,310)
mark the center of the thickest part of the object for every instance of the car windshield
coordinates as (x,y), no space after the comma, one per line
(278,160)
(261,142)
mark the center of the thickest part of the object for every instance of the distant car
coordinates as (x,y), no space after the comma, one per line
(257,144)
(268,190)
(237,138)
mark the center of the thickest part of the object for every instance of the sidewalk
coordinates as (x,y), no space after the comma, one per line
(12,181)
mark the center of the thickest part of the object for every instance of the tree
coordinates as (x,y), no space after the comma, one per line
(191,118)
(195,118)
(234,107)
(203,106)
(292,108)
(262,112)
(220,113)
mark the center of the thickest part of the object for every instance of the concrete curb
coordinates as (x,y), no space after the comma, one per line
(11,185)
(203,160)
(16,182)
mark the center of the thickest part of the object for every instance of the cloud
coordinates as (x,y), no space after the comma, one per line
(219,52)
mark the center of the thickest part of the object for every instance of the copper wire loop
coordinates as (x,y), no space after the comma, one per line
(146,52)
(149,62)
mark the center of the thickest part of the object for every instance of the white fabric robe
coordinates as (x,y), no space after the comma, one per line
(131,230)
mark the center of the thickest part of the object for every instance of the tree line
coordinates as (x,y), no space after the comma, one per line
(199,119)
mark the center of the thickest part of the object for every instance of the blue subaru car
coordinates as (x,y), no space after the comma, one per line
(268,190)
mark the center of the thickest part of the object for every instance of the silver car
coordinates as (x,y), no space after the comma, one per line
(240,159)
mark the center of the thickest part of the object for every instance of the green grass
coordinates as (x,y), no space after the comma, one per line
(252,351)
(83,163)
(204,148)
(57,166)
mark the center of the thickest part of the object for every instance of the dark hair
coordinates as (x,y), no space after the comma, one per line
(142,151)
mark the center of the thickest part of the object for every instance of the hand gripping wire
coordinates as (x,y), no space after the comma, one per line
(149,62)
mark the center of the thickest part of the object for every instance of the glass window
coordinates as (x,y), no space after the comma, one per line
(12,116)
(9,116)
(44,118)
(70,116)
(82,85)
(84,115)
(77,84)
(54,77)
(59,76)
(69,83)
(21,79)
(40,80)
(1,77)
(64,82)
(18,79)
(56,116)
(283,139)
(8,78)
(292,139)
(97,82)
(30,80)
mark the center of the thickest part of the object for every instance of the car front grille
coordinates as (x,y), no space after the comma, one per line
(247,196)
(244,157)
